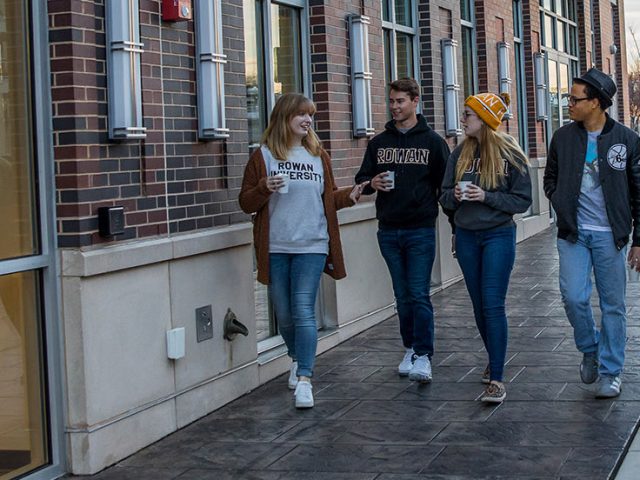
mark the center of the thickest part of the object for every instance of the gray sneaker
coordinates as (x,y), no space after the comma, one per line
(304,394)
(407,363)
(293,376)
(589,367)
(609,386)
(421,370)
(494,393)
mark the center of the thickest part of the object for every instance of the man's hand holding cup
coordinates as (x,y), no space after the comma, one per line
(384,182)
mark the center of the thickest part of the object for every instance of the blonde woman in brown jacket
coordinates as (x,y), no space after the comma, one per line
(288,183)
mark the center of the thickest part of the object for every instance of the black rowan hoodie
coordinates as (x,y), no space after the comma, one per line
(418,158)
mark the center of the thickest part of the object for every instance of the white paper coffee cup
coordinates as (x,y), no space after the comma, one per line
(391,177)
(463,185)
(285,182)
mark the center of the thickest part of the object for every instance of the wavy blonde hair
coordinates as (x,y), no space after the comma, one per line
(494,147)
(278,136)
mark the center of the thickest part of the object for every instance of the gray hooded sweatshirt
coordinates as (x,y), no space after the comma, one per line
(512,196)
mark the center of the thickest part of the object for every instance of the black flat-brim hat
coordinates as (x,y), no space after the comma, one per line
(601,82)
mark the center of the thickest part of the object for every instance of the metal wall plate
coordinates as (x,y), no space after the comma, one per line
(204,323)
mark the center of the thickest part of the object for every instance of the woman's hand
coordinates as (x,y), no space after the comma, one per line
(274,183)
(474,193)
(357,191)
(457,193)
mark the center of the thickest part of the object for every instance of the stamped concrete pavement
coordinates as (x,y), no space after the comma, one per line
(370,424)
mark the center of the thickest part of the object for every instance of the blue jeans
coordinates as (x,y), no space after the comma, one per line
(409,254)
(486,258)
(595,251)
(294,280)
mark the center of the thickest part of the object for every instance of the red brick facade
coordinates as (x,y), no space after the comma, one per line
(171,182)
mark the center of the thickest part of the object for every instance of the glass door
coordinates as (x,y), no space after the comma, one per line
(559,81)
(27,273)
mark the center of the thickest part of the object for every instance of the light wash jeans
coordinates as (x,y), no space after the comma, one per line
(294,280)
(409,254)
(486,258)
(595,251)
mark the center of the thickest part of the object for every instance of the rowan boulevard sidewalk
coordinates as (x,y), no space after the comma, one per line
(368,423)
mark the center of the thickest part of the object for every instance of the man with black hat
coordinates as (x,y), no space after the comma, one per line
(592,179)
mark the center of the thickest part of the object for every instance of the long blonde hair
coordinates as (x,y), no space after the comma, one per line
(494,147)
(278,136)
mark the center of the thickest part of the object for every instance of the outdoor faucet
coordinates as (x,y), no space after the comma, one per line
(232,327)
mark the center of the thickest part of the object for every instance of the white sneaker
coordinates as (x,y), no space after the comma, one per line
(293,376)
(304,397)
(407,363)
(421,370)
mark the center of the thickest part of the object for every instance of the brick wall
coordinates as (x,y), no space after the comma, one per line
(331,80)
(169,182)
(531,32)
(437,20)
(494,23)
(621,57)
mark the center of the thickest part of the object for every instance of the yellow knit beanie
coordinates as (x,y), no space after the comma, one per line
(489,107)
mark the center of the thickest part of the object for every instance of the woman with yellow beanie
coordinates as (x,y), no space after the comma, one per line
(486,182)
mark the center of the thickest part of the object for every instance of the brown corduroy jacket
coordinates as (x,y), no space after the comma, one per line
(254,198)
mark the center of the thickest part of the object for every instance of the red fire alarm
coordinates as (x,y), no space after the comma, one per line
(176,10)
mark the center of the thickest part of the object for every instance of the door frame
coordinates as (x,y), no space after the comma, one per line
(46,262)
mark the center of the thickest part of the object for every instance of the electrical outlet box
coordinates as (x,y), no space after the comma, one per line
(204,323)
(111,221)
(175,343)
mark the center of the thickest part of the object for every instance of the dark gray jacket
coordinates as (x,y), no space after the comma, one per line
(619,164)
(511,197)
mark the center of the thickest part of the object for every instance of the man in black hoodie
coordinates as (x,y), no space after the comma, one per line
(405,165)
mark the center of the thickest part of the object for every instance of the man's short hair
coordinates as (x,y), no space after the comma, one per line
(407,85)
(592,92)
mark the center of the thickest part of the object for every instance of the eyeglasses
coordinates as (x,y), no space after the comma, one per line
(573,100)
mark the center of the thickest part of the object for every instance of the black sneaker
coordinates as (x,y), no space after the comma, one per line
(589,367)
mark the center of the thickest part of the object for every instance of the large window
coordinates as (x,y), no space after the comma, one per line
(469,60)
(274,59)
(275,63)
(521,89)
(560,40)
(28,414)
(399,33)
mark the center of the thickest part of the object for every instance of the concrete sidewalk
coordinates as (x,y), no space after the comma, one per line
(368,423)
